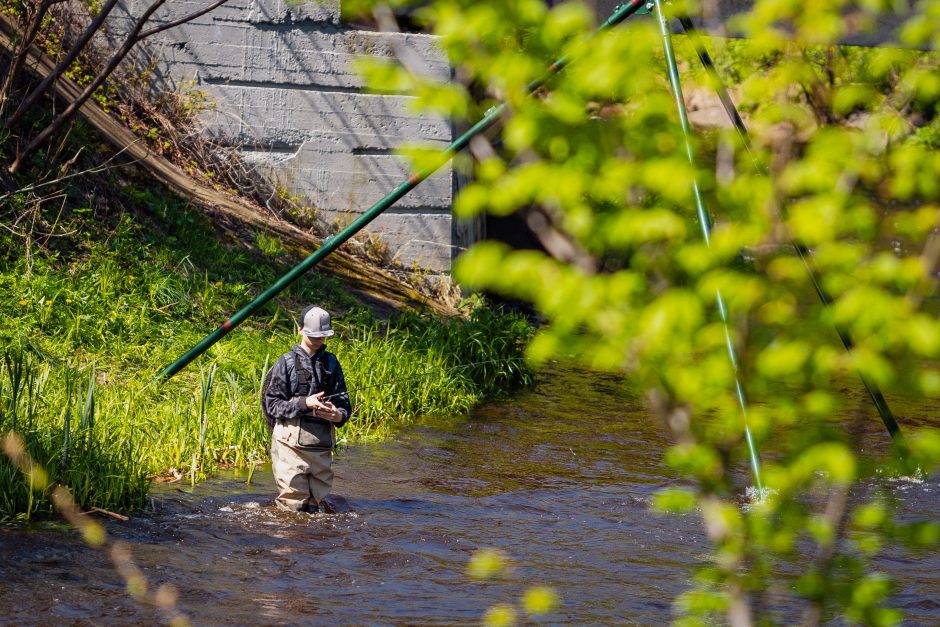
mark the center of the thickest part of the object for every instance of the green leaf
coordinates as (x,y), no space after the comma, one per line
(834,459)
(539,600)
(487,563)
(500,616)
(782,359)
(695,460)
(924,448)
(674,500)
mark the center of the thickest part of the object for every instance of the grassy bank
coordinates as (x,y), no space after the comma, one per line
(89,316)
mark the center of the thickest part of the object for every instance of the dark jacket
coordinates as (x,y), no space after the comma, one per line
(284,400)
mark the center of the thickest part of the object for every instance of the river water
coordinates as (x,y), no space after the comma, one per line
(559,479)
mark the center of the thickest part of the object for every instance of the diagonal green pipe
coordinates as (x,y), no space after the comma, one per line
(874,392)
(706,225)
(331,243)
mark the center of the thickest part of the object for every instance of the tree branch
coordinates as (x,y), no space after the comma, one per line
(136,35)
(102,167)
(182,20)
(836,515)
(63,65)
(19,55)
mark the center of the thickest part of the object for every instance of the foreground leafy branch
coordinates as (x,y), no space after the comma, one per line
(163,598)
(845,142)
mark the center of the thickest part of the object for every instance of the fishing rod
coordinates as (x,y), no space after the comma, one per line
(419,375)
(874,392)
(706,226)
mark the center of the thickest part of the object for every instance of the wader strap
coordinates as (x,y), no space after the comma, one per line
(302,373)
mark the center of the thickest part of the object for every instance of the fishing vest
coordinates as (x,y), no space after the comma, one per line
(308,376)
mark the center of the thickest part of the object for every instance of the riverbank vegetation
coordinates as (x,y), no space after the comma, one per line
(833,191)
(94,314)
(114,262)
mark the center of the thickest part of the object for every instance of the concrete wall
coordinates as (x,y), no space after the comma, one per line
(287,95)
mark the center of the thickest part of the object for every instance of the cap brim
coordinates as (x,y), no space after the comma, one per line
(317,333)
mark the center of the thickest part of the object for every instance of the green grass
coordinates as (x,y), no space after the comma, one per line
(88,318)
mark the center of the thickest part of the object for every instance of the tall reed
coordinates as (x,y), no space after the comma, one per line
(106,442)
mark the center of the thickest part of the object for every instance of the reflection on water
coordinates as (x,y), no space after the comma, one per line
(560,479)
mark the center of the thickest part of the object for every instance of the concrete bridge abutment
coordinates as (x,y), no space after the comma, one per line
(282,76)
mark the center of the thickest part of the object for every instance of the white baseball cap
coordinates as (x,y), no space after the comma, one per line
(315,322)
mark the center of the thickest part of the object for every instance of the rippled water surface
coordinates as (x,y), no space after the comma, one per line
(559,478)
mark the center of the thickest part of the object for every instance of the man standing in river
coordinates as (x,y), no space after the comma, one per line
(305,397)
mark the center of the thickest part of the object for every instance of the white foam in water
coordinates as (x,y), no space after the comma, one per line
(756,497)
(917,477)
(226,509)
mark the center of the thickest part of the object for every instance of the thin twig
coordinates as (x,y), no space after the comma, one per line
(182,20)
(106,512)
(93,170)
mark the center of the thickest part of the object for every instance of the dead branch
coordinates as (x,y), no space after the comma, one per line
(182,20)
(92,170)
(22,50)
(109,513)
(136,35)
(63,65)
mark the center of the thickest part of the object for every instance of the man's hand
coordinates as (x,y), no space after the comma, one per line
(325,410)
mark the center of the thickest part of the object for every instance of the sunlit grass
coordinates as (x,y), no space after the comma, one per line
(107,441)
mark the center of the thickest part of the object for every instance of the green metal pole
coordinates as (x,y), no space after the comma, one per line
(706,225)
(331,243)
(878,399)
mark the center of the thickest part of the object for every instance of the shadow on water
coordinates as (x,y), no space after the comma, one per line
(559,478)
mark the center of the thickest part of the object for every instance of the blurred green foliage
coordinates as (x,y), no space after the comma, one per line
(842,159)
(536,601)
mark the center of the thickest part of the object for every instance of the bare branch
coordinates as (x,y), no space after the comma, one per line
(387,22)
(557,243)
(182,20)
(63,65)
(93,170)
(20,54)
(136,35)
